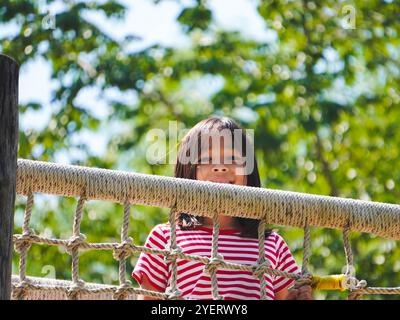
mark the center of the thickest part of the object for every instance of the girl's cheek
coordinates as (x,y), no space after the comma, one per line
(241,180)
(244,179)
(199,176)
(202,176)
(240,177)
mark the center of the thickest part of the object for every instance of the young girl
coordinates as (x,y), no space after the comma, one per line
(238,237)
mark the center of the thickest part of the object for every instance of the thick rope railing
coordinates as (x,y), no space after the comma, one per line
(201,197)
(276,207)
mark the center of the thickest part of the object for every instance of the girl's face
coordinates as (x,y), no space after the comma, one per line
(222,166)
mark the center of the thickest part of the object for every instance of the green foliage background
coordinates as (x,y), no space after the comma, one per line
(323,101)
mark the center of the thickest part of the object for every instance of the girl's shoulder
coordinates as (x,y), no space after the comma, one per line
(275,236)
(162,228)
(159,231)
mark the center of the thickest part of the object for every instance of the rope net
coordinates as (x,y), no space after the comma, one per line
(200,197)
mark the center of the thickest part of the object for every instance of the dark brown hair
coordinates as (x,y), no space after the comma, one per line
(248,226)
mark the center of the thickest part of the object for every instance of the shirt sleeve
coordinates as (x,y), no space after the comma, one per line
(150,265)
(285,262)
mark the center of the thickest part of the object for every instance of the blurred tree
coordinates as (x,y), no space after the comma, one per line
(322,96)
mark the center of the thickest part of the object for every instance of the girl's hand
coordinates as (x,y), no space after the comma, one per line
(301,293)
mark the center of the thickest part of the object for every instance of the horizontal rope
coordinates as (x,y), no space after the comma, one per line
(380,290)
(54,286)
(202,198)
(130,249)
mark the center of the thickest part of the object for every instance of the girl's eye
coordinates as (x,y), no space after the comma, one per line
(228,160)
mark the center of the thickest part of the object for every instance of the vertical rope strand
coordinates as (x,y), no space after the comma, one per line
(28,214)
(350,270)
(307,251)
(347,251)
(124,239)
(306,276)
(173,293)
(76,235)
(26,232)
(23,247)
(73,248)
(172,246)
(122,253)
(215,258)
(261,258)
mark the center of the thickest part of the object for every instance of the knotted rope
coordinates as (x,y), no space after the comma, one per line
(260,269)
(121,253)
(173,293)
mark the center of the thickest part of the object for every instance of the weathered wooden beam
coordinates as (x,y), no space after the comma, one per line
(9,73)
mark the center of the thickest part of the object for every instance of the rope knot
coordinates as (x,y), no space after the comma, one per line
(213,264)
(356,287)
(173,254)
(261,268)
(173,295)
(74,242)
(352,283)
(20,289)
(75,289)
(22,242)
(304,280)
(122,291)
(123,250)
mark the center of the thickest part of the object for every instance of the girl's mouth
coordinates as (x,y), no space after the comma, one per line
(222,181)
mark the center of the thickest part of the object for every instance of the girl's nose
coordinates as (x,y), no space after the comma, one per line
(218,168)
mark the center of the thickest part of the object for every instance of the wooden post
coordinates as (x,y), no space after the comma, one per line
(9,72)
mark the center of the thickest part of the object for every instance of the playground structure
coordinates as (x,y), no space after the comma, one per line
(293,209)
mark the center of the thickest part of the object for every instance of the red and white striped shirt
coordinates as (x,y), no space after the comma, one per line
(194,283)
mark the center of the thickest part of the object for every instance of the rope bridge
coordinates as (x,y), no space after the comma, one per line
(199,197)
